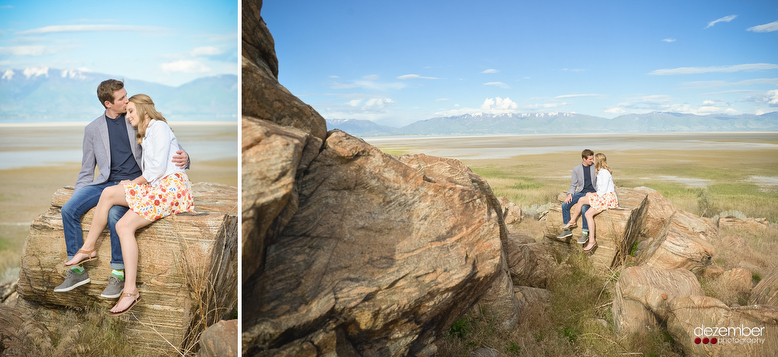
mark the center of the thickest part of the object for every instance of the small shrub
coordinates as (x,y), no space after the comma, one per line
(756,277)
(459,328)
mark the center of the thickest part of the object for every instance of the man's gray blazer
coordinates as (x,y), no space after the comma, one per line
(577,182)
(97,152)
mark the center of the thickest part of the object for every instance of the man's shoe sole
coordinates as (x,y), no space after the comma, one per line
(112,296)
(563,236)
(86,281)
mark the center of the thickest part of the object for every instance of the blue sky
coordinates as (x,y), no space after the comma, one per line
(396,62)
(166,42)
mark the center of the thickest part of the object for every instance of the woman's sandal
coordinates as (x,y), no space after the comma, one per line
(592,249)
(136,298)
(88,258)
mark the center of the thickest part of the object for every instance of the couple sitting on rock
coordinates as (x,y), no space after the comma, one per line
(591,192)
(141,179)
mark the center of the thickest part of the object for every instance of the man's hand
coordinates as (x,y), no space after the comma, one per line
(569,198)
(180,159)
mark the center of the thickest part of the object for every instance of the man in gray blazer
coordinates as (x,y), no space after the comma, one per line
(584,180)
(110,144)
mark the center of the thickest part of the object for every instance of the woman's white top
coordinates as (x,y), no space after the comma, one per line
(159,145)
(604,182)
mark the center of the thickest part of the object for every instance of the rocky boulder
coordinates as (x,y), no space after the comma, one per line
(187,269)
(617,229)
(766,291)
(511,213)
(642,294)
(530,263)
(377,251)
(684,242)
(658,211)
(220,340)
(705,326)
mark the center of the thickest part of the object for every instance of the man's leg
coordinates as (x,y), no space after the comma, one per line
(114,215)
(584,226)
(566,215)
(82,201)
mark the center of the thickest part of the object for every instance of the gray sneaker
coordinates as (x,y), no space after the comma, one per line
(584,237)
(72,281)
(566,233)
(114,288)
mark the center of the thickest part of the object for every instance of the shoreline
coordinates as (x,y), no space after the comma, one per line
(438,136)
(84,123)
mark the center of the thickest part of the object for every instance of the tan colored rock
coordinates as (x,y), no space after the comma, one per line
(766,291)
(685,242)
(532,298)
(658,212)
(187,262)
(616,229)
(756,226)
(742,331)
(642,294)
(220,340)
(387,254)
(530,263)
(735,281)
(272,156)
(510,211)
(263,97)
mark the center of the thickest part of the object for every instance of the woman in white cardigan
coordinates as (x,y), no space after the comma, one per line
(163,189)
(603,199)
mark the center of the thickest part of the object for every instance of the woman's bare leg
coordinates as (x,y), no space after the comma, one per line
(126,228)
(590,213)
(111,196)
(577,210)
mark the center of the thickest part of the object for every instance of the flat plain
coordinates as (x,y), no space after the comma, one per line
(703,173)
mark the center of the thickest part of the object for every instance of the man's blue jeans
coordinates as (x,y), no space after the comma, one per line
(567,206)
(82,201)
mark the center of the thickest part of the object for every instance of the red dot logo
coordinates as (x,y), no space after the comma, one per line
(705,341)
(697,340)
(714,340)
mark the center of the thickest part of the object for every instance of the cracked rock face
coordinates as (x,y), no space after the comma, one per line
(375,249)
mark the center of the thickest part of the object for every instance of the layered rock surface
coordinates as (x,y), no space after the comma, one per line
(187,268)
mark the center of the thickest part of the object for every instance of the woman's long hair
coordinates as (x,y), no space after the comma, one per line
(601,162)
(145,106)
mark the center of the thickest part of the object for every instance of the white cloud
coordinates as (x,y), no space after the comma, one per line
(36,71)
(615,110)
(414,76)
(354,102)
(772,97)
(579,96)
(498,105)
(185,67)
(334,76)
(725,69)
(9,74)
(371,77)
(490,70)
(377,103)
(497,84)
(34,50)
(368,85)
(91,28)
(669,40)
(72,74)
(206,51)
(723,19)
(773,26)
(708,102)
(717,84)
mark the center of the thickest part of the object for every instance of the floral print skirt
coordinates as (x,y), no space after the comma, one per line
(172,195)
(604,202)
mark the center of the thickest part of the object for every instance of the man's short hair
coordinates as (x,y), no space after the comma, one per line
(586,153)
(107,88)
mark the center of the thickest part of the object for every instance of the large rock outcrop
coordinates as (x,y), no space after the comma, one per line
(346,250)
(376,250)
(187,269)
(642,294)
(684,242)
(694,321)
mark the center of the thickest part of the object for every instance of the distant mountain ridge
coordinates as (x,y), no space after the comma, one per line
(563,123)
(48,94)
